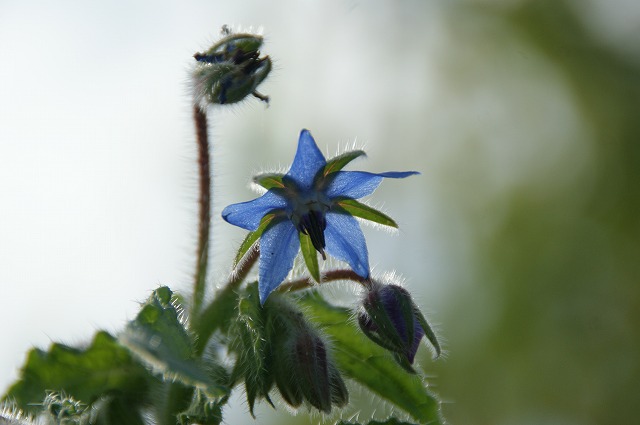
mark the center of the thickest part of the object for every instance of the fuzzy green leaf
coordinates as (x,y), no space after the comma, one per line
(310,256)
(338,163)
(269,180)
(358,209)
(252,238)
(159,338)
(371,365)
(103,367)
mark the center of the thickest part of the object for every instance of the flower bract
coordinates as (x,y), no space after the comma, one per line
(311,206)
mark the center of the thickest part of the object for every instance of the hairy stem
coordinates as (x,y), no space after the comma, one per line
(204,213)
(330,276)
(221,308)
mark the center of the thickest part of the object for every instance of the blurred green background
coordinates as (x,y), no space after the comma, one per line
(521,239)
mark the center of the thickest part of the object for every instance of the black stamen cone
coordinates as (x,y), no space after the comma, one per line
(313,224)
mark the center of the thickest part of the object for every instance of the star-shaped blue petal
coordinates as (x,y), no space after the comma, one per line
(308,203)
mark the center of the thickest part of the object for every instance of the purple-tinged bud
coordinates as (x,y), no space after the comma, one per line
(390,318)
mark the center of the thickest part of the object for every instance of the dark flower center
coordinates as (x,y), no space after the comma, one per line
(313,224)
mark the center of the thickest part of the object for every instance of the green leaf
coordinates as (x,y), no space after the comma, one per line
(310,256)
(337,163)
(269,180)
(159,338)
(358,209)
(371,365)
(84,374)
(252,238)
(216,316)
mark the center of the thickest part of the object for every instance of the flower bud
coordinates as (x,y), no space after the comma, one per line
(390,318)
(303,367)
(230,70)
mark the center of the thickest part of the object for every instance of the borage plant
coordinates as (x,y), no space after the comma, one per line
(178,361)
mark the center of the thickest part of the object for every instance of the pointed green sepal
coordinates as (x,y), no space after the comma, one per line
(338,163)
(269,180)
(310,256)
(249,242)
(428,332)
(358,209)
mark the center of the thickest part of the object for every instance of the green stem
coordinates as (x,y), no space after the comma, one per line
(218,313)
(204,213)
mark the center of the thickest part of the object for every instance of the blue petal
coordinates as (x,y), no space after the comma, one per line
(279,245)
(345,241)
(248,214)
(356,184)
(307,162)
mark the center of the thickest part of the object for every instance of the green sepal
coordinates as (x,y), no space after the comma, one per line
(370,365)
(428,331)
(104,367)
(159,338)
(270,180)
(358,209)
(252,346)
(310,256)
(251,239)
(337,163)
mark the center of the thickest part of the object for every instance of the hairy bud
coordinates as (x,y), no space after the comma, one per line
(303,366)
(230,70)
(390,318)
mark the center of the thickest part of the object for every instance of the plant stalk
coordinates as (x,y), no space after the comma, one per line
(204,205)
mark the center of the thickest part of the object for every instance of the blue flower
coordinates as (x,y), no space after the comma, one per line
(315,199)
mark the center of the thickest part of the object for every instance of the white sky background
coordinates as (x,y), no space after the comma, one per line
(97,156)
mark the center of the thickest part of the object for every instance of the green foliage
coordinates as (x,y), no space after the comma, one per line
(369,364)
(103,369)
(163,368)
(159,338)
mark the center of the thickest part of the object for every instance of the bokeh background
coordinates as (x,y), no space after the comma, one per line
(521,238)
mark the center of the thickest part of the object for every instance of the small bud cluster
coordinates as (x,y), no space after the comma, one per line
(230,70)
(277,345)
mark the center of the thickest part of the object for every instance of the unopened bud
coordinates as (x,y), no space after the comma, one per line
(303,367)
(390,318)
(230,70)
